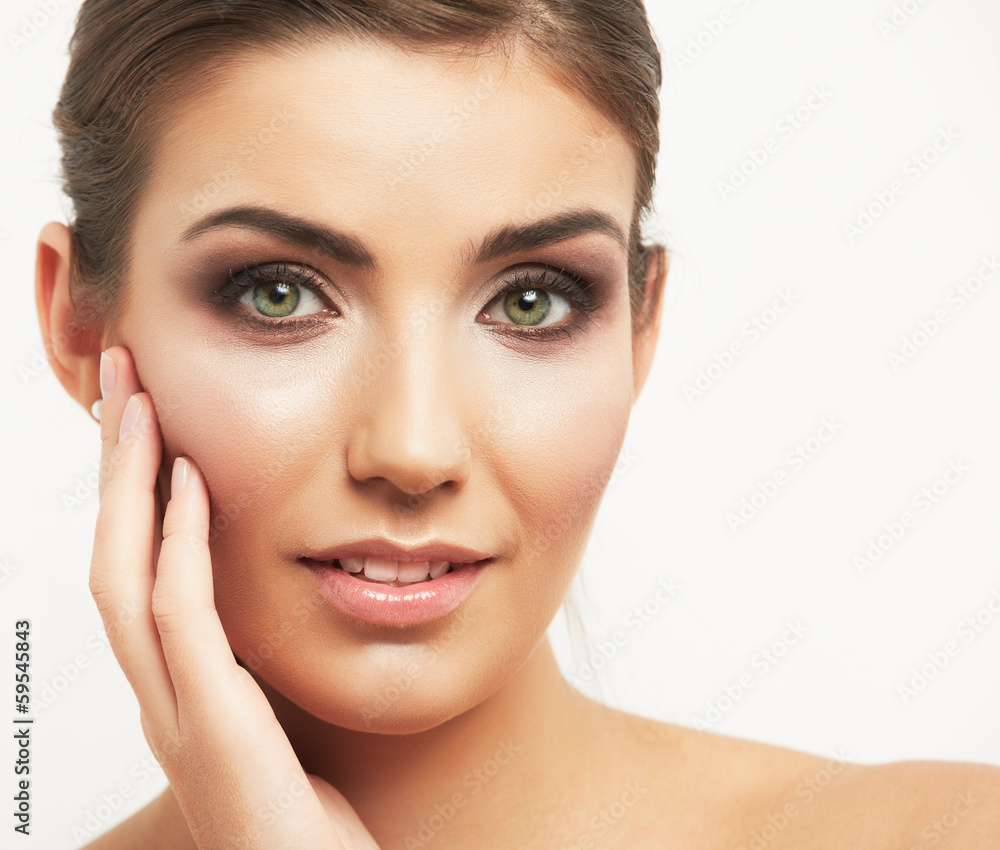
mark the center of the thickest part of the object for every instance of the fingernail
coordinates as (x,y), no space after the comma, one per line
(95,410)
(179,476)
(108,377)
(130,416)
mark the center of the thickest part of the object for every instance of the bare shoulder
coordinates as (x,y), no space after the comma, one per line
(950,805)
(159,825)
(720,792)
(761,795)
(737,794)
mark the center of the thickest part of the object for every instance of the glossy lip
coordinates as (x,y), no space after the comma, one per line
(377,547)
(384,604)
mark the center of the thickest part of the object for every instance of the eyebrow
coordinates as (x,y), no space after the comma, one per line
(348,250)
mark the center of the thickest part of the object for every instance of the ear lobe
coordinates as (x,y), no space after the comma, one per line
(73,350)
(644,342)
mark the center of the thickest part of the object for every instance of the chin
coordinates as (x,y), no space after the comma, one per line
(384,689)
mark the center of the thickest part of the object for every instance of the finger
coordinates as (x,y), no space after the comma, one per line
(118,382)
(121,572)
(195,646)
(352,832)
(220,708)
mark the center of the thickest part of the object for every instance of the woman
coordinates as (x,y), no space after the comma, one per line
(343,334)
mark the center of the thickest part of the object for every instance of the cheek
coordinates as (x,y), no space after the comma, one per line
(560,449)
(238,436)
(256,427)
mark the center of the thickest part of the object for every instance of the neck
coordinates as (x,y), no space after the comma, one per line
(453,779)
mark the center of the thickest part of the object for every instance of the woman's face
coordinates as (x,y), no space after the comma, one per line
(412,403)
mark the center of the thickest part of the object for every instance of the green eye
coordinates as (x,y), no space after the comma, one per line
(527,306)
(276,300)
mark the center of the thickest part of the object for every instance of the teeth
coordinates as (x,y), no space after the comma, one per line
(380,569)
(411,571)
(395,573)
(353,565)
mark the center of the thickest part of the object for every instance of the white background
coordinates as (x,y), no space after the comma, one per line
(687,463)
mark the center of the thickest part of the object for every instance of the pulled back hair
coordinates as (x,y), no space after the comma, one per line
(130,58)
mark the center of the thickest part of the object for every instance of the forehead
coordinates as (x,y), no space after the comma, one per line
(388,140)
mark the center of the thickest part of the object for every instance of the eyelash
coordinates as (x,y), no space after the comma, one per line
(567,284)
(254,275)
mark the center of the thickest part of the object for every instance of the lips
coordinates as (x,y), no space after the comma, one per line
(388,550)
(392,572)
(395,603)
(380,581)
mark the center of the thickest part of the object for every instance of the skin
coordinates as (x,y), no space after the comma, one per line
(461,433)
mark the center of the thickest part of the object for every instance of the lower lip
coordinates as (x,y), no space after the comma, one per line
(401,606)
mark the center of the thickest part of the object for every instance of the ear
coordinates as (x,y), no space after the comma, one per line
(644,342)
(73,350)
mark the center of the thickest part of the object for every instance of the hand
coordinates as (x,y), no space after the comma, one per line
(231,767)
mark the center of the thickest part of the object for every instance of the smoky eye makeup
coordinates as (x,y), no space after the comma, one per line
(268,300)
(528,303)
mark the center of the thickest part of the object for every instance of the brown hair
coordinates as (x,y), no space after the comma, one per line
(129,57)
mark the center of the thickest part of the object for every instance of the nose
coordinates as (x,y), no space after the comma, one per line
(411,437)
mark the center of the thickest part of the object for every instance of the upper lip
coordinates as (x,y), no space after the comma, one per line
(435,550)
